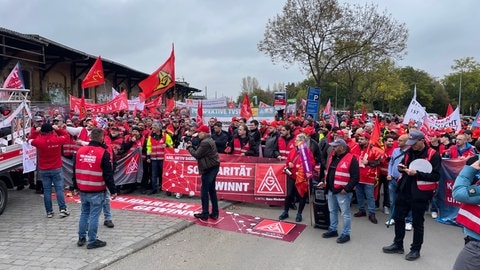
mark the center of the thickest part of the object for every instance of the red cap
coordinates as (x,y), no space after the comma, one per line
(234,119)
(476,133)
(264,123)
(308,130)
(203,128)
(366,135)
(340,133)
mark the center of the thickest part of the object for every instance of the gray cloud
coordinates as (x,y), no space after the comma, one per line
(215,41)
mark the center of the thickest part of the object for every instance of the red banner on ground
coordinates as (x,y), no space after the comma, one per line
(245,179)
(228,221)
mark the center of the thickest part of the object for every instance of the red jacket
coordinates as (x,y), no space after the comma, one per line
(49,149)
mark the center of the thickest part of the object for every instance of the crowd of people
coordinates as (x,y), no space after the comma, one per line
(343,159)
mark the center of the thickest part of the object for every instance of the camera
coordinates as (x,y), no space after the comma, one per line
(287,171)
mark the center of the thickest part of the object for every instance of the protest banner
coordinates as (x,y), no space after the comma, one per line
(241,178)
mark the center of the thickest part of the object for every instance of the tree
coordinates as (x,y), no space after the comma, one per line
(249,84)
(465,80)
(320,35)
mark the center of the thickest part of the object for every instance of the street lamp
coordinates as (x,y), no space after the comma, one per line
(460,94)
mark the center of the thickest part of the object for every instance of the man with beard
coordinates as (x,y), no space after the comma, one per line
(369,161)
(271,142)
(220,137)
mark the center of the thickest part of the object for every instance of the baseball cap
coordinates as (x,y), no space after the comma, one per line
(203,128)
(338,142)
(414,136)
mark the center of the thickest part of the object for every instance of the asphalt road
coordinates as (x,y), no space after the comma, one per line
(198,247)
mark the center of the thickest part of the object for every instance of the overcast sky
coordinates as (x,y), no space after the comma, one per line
(216,40)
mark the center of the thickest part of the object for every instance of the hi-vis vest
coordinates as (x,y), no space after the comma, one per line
(158,150)
(425,185)
(469,216)
(88,171)
(238,148)
(284,146)
(342,172)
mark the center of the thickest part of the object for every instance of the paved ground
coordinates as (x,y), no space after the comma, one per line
(29,240)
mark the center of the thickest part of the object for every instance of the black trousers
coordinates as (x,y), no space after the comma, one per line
(292,194)
(402,206)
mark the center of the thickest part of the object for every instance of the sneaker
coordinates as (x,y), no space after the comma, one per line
(408,226)
(299,218)
(109,223)
(360,213)
(81,241)
(64,213)
(283,216)
(390,222)
(97,244)
(330,234)
(343,239)
(386,210)
(434,215)
(50,215)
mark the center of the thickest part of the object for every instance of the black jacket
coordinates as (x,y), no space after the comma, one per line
(407,185)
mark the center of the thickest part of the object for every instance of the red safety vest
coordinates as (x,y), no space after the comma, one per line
(84,135)
(342,172)
(88,170)
(385,160)
(468,216)
(425,185)
(69,149)
(238,148)
(158,150)
(284,146)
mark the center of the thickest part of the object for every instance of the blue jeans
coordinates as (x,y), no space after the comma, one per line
(157,168)
(208,189)
(92,204)
(392,192)
(364,190)
(340,202)
(106,206)
(48,178)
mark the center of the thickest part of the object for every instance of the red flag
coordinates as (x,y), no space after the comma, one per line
(375,136)
(95,75)
(449,110)
(200,113)
(246,110)
(14,79)
(83,109)
(170,104)
(364,114)
(161,79)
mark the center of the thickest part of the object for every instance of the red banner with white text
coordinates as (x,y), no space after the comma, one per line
(241,178)
(118,103)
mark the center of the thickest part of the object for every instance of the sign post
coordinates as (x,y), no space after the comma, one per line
(313,102)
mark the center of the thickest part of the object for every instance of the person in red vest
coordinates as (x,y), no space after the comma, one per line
(49,150)
(242,144)
(342,176)
(156,144)
(93,175)
(415,189)
(466,190)
(369,161)
(286,141)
